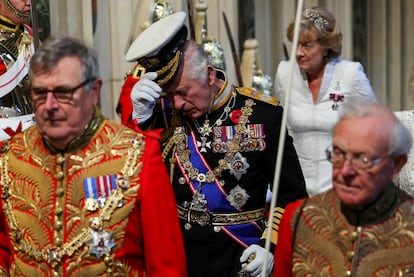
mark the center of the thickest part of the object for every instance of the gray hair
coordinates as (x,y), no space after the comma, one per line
(197,61)
(400,137)
(53,50)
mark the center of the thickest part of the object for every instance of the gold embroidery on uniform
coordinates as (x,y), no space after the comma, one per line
(338,242)
(172,66)
(37,244)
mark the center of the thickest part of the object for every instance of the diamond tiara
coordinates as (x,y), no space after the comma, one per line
(314,17)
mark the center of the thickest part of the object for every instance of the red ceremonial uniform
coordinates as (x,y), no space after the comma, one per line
(322,237)
(124,106)
(103,207)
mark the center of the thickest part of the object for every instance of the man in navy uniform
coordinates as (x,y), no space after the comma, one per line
(220,146)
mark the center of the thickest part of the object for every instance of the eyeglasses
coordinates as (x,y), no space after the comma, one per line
(62,94)
(358,162)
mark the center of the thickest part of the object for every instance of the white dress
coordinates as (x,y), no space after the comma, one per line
(405,178)
(310,124)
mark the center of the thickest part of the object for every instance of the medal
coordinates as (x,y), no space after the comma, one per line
(91,204)
(238,166)
(336,97)
(101,243)
(101,202)
(237,197)
(99,189)
(204,144)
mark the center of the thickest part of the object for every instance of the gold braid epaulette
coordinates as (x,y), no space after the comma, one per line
(277,216)
(258,95)
(54,255)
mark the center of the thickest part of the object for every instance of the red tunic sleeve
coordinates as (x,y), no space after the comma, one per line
(4,242)
(283,251)
(125,102)
(162,237)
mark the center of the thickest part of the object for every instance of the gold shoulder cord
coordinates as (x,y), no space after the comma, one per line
(168,146)
(54,255)
(170,142)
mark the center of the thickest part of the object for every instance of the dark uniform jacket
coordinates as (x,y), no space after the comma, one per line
(220,167)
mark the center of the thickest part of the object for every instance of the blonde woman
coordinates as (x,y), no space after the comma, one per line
(322,83)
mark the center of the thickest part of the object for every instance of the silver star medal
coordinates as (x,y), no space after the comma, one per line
(100,243)
(238,166)
(237,197)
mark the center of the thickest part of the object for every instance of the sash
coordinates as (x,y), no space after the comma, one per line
(245,234)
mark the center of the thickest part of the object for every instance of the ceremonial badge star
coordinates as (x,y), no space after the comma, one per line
(100,243)
(238,165)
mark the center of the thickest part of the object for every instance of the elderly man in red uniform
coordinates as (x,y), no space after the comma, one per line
(81,194)
(364,225)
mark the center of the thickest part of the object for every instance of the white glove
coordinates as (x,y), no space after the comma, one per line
(254,267)
(143,95)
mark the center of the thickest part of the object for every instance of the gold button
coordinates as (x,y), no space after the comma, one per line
(60,160)
(58,225)
(58,211)
(353,236)
(60,175)
(348,273)
(60,192)
(58,241)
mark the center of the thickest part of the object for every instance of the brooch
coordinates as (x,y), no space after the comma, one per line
(336,98)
